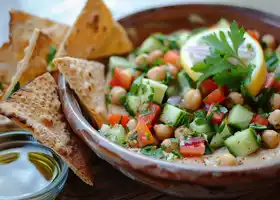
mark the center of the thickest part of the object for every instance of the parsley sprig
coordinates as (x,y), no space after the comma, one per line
(218,63)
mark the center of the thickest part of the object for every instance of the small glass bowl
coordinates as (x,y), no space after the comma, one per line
(21,138)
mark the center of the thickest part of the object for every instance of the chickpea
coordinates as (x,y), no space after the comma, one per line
(137,74)
(274,119)
(131,124)
(236,98)
(172,69)
(192,99)
(154,55)
(156,74)
(141,60)
(269,41)
(116,93)
(169,145)
(182,131)
(227,159)
(163,131)
(270,139)
(275,101)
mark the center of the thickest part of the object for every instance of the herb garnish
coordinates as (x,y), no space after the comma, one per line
(218,63)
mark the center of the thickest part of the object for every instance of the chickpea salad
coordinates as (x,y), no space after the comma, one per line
(190,93)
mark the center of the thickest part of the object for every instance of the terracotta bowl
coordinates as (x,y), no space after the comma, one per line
(179,179)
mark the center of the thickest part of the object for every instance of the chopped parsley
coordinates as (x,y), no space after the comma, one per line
(218,64)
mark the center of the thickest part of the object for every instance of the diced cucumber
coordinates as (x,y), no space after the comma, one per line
(116,134)
(173,116)
(219,139)
(182,37)
(184,81)
(243,143)
(159,89)
(116,61)
(146,93)
(131,104)
(201,126)
(240,117)
(150,44)
(273,62)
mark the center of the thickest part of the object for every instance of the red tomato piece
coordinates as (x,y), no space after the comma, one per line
(217,118)
(254,34)
(151,117)
(121,77)
(118,119)
(259,119)
(270,79)
(173,57)
(145,136)
(208,86)
(217,96)
(192,147)
(276,85)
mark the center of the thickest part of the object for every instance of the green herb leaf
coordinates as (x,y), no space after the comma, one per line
(236,35)
(258,126)
(177,153)
(168,78)
(153,151)
(168,41)
(51,54)
(233,79)
(208,149)
(16,88)
(217,63)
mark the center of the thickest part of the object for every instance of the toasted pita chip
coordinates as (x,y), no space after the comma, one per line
(117,43)
(22,25)
(36,107)
(8,63)
(86,78)
(90,30)
(33,64)
(95,34)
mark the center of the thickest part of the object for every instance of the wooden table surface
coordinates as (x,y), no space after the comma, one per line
(110,184)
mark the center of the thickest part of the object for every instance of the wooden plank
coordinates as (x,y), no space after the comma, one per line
(110,184)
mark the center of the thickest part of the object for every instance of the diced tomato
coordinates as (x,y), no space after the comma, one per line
(217,96)
(152,115)
(208,86)
(173,57)
(276,85)
(254,34)
(217,118)
(118,119)
(259,119)
(192,147)
(145,136)
(121,77)
(270,79)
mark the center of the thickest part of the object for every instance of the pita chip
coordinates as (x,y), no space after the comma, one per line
(86,78)
(8,63)
(22,25)
(95,34)
(37,108)
(34,62)
(116,44)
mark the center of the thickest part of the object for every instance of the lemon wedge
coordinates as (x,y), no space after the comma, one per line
(195,50)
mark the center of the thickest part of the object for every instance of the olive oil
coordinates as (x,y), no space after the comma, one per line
(26,169)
